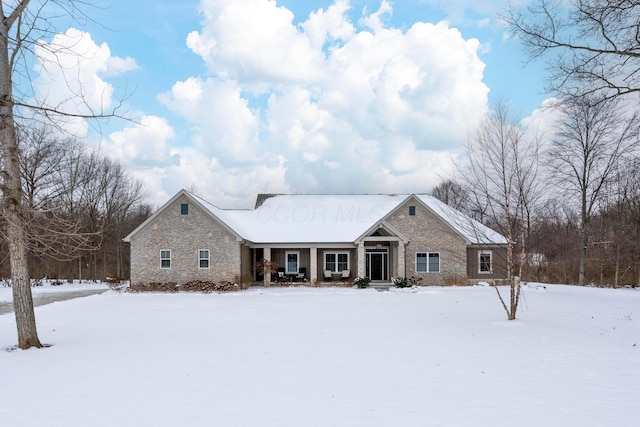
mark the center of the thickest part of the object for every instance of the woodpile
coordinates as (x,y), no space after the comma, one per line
(203,286)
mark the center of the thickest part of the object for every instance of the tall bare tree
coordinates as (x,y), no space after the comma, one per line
(22,25)
(502,177)
(593,45)
(594,138)
(12,208)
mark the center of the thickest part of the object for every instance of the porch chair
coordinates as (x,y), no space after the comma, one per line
(345,274)
(282,277)
(327,275)
(302,272)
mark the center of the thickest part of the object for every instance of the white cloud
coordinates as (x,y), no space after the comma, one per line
(254,41)
(329,25)
(330,104)
(70,72)
(347,110)
(143,145)
(223,125)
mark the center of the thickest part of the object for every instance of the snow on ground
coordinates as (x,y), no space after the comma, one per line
(329,357)
(47,287)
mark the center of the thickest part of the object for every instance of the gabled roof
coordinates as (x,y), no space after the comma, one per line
(473,231)
(322,218)
(215,213)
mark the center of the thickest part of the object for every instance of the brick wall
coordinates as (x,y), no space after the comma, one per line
(184,235)
(428,233)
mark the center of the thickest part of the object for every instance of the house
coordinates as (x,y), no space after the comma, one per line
(315,238)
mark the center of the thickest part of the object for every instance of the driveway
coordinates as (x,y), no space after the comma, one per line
(48,298)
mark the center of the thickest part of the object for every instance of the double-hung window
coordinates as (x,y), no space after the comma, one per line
(165,258)
(427,262)
(204,257)
(184,208)
(485,262)
(336,262)
(292,262)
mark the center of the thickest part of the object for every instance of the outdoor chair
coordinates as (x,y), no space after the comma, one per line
(327,275)
(302,272)
(282,277)
(345,274)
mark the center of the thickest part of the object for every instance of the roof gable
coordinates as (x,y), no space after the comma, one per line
(471,230)
(206,207)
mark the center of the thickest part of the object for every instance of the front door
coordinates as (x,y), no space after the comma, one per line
(377,264)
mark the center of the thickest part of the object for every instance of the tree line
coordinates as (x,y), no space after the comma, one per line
(78,204)
(568,200)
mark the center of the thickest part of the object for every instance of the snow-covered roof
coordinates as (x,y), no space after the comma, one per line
(472,230)
(306,218)
(322,218)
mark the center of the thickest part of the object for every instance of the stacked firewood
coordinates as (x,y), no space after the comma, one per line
(203,286)
(207,286)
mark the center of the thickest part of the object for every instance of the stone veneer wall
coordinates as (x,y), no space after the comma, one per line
(184,235)
(428,233)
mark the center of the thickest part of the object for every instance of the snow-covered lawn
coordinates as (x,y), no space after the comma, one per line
(329,357)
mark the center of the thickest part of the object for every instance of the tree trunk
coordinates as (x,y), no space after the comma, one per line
(584,243)
(12,206)
(617,267)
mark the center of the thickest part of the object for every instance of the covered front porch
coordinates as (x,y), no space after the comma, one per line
(378,257)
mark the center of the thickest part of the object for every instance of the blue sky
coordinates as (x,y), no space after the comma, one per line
(236,97)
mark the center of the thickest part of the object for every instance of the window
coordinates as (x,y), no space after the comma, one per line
(427,262)
(184,209)
(165,258)
(484,262)
(336,262)
(412,210)
(292,262)
(203,258)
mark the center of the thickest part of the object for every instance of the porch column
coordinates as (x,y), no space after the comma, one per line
(401,261)
(313,265)
(267,273)
(361,260)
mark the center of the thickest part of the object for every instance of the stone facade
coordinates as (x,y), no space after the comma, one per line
(428,233)
(184,236)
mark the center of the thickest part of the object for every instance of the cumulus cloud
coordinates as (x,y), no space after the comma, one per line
(71,70)
(254,41)
(325,105)
(144,145)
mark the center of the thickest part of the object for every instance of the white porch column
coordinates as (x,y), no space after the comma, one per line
(313,265)
(267,273)
(401,261)
(361,260)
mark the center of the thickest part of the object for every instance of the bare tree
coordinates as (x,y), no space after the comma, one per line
(596,44)
(594,138)
(12,208)
(619,225)
(20,29)
(501,175)
(451,193)
(40,159)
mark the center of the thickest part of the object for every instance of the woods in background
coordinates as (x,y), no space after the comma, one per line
(79,204)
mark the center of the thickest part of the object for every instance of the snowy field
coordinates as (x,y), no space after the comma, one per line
(328,357)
